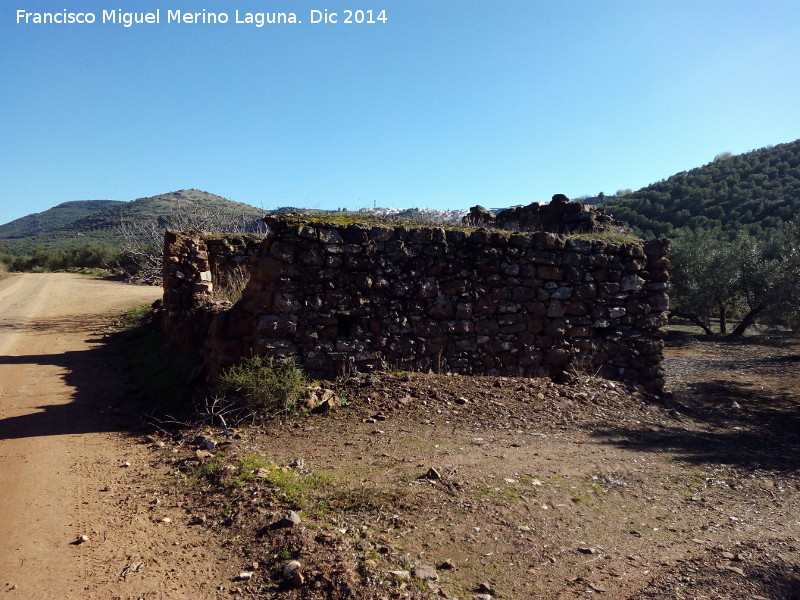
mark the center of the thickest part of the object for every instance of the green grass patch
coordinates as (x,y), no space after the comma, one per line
(136,317)
(301,490)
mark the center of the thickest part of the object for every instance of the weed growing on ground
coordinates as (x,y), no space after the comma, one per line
(298,489)
(138,316)
(263,385)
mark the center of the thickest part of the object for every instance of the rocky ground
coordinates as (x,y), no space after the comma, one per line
(423,486)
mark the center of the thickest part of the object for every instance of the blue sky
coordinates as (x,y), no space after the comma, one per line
(448,104)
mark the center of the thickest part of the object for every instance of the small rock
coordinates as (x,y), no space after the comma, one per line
(598,588)
(245,575)
(298,463)
(126,464)
(462,401)
(400,575)
(423,571)
(166,520)
(736,405)
(448,565)
(291,567)
(433,474)
(210,445)
(728,555)
(290,519)
(587,550)
(203,455)
(484,588)
(81,539)
(736,570)
(482,597)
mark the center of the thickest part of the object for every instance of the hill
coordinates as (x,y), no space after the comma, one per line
(175,209)
(54,218)
(754,191)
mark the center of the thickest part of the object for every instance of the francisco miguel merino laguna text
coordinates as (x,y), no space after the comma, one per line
(259,19)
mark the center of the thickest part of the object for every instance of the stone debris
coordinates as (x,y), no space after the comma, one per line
(484,588)
(432,474)
(292,572)
(425,572)
(319,400)
(133,567)
(732,569)
(203,456)
(290,519)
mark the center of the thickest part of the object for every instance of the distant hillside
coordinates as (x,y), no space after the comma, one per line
(754,191)
(172,209)
(55,218)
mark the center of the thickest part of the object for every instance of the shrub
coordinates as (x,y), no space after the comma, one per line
(263,385)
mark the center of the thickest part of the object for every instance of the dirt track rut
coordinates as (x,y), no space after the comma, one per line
(61,447)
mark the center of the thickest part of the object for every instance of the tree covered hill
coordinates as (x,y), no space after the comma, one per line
(109,224)
(754,192)
(55,218)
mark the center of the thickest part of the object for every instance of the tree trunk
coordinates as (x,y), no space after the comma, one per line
(749,319)
(723,324)
(697,321)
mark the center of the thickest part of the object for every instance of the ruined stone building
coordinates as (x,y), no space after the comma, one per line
(538,291)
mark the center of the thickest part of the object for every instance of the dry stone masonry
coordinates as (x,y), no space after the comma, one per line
(363,297)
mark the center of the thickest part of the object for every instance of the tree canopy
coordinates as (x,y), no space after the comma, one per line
(753,192)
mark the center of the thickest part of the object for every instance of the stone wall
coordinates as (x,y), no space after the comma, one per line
(558,216)
(340,298)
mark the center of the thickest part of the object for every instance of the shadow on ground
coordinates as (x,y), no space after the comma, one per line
(728,421)
(97,395)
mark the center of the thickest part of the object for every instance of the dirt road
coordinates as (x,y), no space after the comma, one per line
(62,456)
